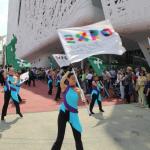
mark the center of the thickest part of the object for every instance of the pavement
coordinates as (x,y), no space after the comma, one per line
(121,127)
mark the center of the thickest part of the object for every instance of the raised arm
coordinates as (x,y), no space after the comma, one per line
(62,82)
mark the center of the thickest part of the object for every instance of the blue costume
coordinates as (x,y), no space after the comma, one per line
(18,85)
(69,113)
(58,81)
(97,90)
(10,92)
(70,103)
(50,80)
(96,97)
(9,86)
(50,84)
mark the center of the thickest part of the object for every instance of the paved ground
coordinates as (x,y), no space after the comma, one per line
(124,127)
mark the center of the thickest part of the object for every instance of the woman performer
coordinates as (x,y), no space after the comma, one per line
(50,83)
(10,92)
(95,94)
(69,112)
(58,78)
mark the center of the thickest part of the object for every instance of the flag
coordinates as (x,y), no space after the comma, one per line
(61,59)
(97,65)
(24,77)
(10,51)
(82,42)
(11,59)
(23,63)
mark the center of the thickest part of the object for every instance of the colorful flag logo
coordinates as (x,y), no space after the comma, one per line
(82,36)
(107,32)
(69,38)
(94,35)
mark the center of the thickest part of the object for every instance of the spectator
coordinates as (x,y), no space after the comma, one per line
(120,78)
(147,90)
(140,87)
(128,84)
(106,79)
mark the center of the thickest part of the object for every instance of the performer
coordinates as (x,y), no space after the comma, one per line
(10,92)
(95,94)
(58,78)
(69,112)
(50,83)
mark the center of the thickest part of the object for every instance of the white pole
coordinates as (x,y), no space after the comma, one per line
(105,89)
(82,93)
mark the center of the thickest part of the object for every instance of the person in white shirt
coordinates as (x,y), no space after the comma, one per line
(89,78)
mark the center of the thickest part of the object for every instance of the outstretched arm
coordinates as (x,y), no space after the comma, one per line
(62,82)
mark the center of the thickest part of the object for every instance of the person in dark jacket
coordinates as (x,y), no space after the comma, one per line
(31,77)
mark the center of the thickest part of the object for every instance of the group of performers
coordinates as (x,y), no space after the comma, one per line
(68,111)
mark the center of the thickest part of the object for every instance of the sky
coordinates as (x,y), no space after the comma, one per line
(3,16)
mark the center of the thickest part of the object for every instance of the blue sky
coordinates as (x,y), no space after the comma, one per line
(3,16)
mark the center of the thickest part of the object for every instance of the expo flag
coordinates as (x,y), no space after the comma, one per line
(82,42)
(61,59)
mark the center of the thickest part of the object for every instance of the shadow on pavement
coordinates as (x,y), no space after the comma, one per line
(128,126)
(100,117)
(6,125)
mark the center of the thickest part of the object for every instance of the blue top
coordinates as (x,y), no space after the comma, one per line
(18,85)
(8,81)
(11,87)
(58,81)
(96,90)
(70,103)
(50,80)
(14,93)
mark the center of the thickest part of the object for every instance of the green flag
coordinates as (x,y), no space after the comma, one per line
(11,58)
(23,63)
(97,65)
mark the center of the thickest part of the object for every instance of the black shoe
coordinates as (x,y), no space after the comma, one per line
(102,110)
(91,113)
(2,119)
(20,115)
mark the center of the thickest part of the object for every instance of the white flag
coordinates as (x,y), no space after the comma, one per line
(61,59)
(24,77)
(82,42)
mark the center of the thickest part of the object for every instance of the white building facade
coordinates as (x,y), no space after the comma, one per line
(35,23)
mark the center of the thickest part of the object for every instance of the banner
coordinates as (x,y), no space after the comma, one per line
(11,58)
(61,59)
(24,77)
(97,65)
(82,42)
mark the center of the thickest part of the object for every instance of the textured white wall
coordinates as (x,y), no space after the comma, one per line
(128,16)
(39,20)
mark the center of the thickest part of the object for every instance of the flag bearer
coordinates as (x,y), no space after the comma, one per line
(10,92)
(69,112)
(95,94)
(50,83)
(58,78)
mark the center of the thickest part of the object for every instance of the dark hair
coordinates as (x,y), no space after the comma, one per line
(144,74)
(70,74)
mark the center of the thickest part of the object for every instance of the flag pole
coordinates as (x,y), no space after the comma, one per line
(82,93)
(105,89)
